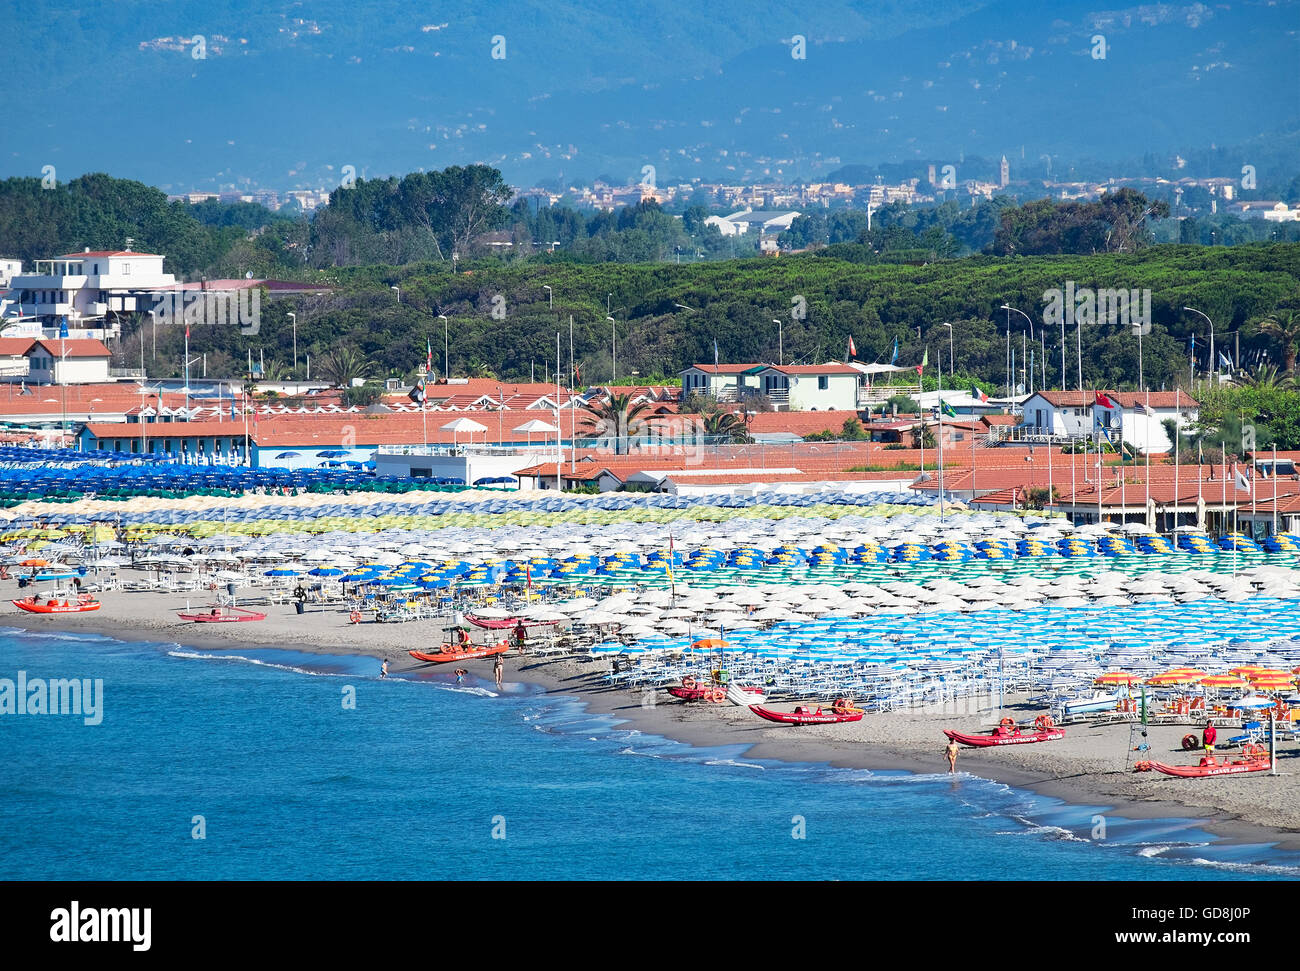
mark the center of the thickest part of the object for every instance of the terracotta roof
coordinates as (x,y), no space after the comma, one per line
(78,347)
(1000,420)
(1125,399)
(797,369)
(724,368)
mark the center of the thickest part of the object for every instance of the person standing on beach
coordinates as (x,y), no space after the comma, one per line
(383,669)
(952,750)
(499,669)
(521,635)
(1208,737)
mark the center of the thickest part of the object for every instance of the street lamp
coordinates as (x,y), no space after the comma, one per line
(398,291)
(1213,363)
(952,368)
(682,306)
(550,297)
(1030,321)
(613,348)
(295,341)
(780,342)
(445,346)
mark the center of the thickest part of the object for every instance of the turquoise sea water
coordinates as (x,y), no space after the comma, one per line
(425,779)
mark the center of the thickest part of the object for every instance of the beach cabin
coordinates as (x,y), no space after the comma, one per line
(726,382)
(1077,415)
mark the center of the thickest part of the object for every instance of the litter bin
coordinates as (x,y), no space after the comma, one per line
(230,589)
(299,606)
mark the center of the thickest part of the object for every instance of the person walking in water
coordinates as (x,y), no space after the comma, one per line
(499,669)
(952,750)
(383,669)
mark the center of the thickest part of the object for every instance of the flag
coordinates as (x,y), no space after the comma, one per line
(416,394)
(1140,408)
(925,361)
(853,350)
(893,359)
(233,413)
(428,357)
(1104,401)
(1242,483)
(1191,343)
(946,409)
(715,353)
(1224,362)
(978,395)
(63,327)
(577,374)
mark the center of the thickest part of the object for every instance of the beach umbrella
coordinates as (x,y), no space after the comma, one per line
(1116,677)
(463,425)
(1223,681)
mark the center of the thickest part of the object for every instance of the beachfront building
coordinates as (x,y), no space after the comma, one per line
(72,361)
(726,382)
(84,289)
(807,387)
(1137,417)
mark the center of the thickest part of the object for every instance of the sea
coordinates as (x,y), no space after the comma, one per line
(271,764)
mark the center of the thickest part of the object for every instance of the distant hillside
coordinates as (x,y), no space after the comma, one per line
(289,94)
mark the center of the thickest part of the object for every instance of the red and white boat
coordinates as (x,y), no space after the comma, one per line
(692,690)
(1254,759)
(223,615)
(76,605)
(454,652)
(1009,733)
(804,715)
(506,623)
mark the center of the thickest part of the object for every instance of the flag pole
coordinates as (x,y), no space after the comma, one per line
(940,433)
(1177,436)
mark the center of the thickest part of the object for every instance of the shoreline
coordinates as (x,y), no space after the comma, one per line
(1084,770)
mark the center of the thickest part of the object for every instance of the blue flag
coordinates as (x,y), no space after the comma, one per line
(63,326)
(233,413)
(715,352)
(894,357)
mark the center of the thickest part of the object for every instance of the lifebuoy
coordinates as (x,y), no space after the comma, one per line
(1191,743)
(355,616)
(1252,751)
(1043,722)
(717,695)
(1008,723)
(689,683)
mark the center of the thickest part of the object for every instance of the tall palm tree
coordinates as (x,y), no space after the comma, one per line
(1284,327)
(618,418)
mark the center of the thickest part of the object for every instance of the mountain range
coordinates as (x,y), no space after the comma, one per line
(201,96)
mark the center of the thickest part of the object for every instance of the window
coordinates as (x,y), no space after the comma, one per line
(823,382)
(126,269)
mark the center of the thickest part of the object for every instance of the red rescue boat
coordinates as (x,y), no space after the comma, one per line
(1009,733)
(77,605)
(803,715)
(691,690)
(453,652)
(1254,759)
(506,623)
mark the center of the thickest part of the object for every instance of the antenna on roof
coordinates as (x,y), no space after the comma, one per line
(129,242)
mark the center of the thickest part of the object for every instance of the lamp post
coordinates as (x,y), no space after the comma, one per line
(780,341)
(1213,363)
(951,353)
(1031,336)
(550,297)
(445,347)
(398,291)
(295,341)
(613,349)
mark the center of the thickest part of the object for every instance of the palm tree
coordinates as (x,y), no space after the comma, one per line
(341,366)
(726,424)
(1284,327)
(617,418)
(1266,377)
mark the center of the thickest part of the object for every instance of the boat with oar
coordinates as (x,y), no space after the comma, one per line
(455,652)
(1254,758)
(68,604)
(219,614)
(843,710)
(692,690)
(1009,733)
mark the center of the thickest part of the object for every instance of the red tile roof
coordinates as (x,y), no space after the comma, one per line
(104,252)
(724,368)
(797,369)
(78,347)
(1125,399)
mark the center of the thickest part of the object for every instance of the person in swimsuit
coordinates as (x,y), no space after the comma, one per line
(498,669)
(460,675)
(383,669)
(951,751)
